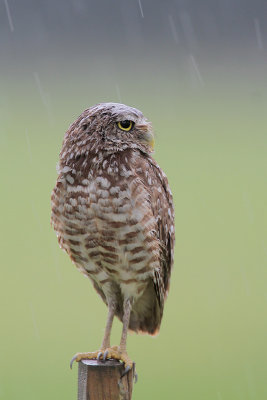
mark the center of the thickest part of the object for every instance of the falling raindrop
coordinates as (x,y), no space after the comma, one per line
(173,29)
(40,88)
(9,16)
(141,8)
(43,96)
(196,69)
(258,33)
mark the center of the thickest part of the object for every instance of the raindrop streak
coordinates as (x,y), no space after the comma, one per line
(118,93)
(44,97)
(9,17)
(173,29)
(141,8)
(40,88)
(196,69)
(28,144)
(258,33)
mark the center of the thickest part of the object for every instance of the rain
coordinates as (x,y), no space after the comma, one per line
(173,29)
(197,71)
(141,8)
(9,16)
(258,33)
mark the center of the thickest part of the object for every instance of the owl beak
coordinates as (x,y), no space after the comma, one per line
(150,139)
(146,135)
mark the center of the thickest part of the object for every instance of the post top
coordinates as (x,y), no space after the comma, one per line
(96,363)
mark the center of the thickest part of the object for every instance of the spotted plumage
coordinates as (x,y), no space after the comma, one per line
(112,210)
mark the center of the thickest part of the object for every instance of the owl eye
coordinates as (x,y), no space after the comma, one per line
(125,125)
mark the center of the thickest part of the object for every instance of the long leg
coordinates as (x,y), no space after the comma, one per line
(120,352)
(126,319)
(105,342)
(106,339)
(116,352)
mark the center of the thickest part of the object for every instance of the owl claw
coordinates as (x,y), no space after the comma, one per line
(84,356)
(72,360)
(105,355)
(110,353)
(127,369)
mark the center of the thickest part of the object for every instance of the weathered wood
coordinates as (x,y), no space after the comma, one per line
(98,380)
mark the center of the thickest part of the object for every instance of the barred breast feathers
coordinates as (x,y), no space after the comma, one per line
(112,210)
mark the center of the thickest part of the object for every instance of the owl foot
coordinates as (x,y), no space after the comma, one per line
(113,352)
(117,354)
(84,356)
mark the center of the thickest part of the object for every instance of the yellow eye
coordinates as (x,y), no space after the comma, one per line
(125,125)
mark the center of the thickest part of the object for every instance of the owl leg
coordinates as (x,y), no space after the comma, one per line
(115,352)
(126,319)
(105,343)
(119,352)
(106,339)
(128,363)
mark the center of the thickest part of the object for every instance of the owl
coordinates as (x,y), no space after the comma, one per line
(112,210)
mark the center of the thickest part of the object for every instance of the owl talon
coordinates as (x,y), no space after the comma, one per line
(72,360)
(105,355)
(84,356)
(100,354)
(127,369)
(135,377)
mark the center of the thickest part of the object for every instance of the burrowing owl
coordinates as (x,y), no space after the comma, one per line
(112,210)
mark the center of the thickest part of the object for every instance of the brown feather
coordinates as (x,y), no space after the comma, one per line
(113,213)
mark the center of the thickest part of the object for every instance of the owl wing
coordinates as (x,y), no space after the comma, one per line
(163,210)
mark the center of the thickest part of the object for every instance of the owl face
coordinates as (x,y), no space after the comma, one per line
(110,127)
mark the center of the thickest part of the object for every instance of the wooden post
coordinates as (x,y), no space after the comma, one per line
(98,380)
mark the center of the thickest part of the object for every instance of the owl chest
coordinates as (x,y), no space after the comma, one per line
(104,231)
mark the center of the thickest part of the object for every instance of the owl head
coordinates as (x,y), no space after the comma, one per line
(109,127)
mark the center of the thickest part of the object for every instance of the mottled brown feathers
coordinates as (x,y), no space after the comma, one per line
(113,213)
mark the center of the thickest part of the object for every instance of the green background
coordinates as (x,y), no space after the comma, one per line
(212,344)
(209,118)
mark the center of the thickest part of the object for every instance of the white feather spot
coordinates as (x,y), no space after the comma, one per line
(66,169)
(104,183)
(70,179)
(73,202)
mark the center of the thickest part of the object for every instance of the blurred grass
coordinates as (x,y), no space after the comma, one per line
(212,145)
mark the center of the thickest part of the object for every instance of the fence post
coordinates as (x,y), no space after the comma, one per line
(98,380)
